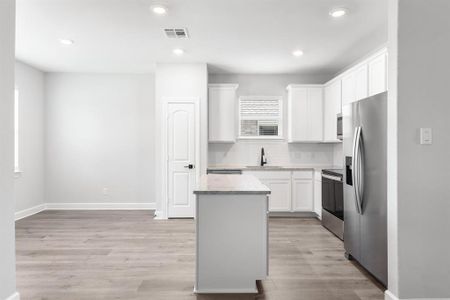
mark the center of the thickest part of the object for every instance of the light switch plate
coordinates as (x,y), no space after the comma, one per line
(426,136)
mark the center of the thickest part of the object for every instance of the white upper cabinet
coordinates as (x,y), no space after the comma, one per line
(315,113)
(361,82)
(331,107)
(222,113)
(348,88)
(378,74)
(365,79)
(305,113)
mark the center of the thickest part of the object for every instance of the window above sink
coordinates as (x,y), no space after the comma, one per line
(260,117)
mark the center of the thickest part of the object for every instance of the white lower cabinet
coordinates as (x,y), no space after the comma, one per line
(318,194)
(291,191)
(280,196)
(302,197)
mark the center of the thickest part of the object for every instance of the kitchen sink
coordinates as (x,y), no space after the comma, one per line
(264,167)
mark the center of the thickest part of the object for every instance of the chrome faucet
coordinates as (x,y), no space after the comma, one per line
(263,158)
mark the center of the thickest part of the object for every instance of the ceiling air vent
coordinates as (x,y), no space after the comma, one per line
(176,33)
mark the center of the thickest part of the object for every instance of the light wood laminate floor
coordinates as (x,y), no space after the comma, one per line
(127,255)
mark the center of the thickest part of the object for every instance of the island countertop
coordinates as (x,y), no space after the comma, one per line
(230,184)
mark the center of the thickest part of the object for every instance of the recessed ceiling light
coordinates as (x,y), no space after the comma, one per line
(66,42)
(178,51)
(159,9)
(338,12)
(297,53)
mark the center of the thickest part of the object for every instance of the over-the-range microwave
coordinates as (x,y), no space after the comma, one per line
(339,127)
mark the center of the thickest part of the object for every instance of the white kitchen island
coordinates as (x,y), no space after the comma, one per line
(232,234)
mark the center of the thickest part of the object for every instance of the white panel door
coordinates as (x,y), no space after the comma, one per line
(303,195)
(280,195)
(315,114)
(181,159)
(361,83)
(378,75)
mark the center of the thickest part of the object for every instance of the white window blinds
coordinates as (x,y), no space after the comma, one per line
(260,116)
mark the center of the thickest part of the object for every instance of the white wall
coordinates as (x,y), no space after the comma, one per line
(179,80)
(278,152)
(29,185)
(392,152)
(99,134)
(7,244)
(422,43)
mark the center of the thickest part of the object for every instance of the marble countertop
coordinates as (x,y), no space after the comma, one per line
(270,167)
(230,184)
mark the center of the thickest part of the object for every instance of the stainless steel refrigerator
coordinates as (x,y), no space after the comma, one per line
(365,183)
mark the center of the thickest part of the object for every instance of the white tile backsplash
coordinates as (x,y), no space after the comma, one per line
(277,153)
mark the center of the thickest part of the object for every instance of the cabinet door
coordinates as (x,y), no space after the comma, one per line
(298,114)
(222,113)
(305,114)
(315,114)
(303,195)
(318,198)
(361,83)
(348,89)
(280,196)
(377,75)
(332,107)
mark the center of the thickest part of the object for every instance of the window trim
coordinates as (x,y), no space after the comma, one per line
(280,118)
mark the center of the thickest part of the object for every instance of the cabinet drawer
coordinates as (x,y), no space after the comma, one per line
(303,174)
(263,174)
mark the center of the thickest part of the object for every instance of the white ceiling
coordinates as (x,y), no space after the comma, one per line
(232,36)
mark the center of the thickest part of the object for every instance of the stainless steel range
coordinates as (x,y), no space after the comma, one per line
(333,201)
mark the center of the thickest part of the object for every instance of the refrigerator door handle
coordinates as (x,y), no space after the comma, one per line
(355,168)
(359,186)
(361,170)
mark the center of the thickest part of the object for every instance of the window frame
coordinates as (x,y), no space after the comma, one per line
(280,118)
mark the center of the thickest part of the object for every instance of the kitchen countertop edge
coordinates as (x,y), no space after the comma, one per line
(231,185)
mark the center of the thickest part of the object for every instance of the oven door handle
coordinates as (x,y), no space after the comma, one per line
(331,177)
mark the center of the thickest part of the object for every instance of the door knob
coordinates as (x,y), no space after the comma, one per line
(190,166)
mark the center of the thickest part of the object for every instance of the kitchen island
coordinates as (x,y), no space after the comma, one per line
(232,234)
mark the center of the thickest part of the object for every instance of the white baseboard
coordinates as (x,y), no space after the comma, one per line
(14,296)
(100,206)
(390,296)
(83,206)
(159,215)
(29,211)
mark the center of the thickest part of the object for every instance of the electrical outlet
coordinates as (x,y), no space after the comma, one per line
(426,136)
